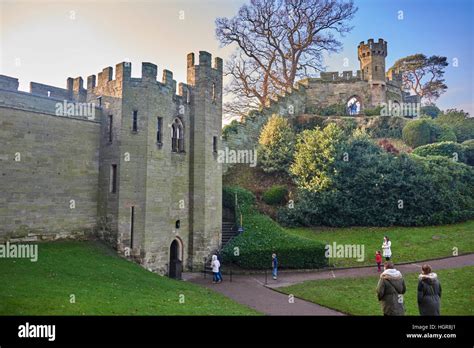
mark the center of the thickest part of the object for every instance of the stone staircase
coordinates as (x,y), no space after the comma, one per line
(229,231)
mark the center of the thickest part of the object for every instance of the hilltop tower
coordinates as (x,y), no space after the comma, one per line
(372,65)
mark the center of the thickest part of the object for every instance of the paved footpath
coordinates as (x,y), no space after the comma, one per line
(251,290)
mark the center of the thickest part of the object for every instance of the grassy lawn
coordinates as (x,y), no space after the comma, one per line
(357,295)
(102,283)
(408,243)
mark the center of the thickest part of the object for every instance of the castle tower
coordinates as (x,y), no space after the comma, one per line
(205,171)
(372,65)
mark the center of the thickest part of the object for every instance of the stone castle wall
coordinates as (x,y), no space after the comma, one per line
(49,168)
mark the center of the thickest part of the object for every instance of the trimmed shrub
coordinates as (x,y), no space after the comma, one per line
(375,188)
(276,145)
(444,133)
(314,156)
(275,195)
(419,132)
(448,149)
(262,236)
(459,121)
(469,151)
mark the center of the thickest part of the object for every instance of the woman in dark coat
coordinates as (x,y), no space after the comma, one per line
(429,292)
(390,290)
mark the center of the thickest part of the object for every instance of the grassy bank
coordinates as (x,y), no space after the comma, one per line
(101,283)
(408,243)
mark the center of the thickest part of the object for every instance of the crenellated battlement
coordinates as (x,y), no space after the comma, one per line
(205,59)
(335,76)
(50,100)
(123,75)
(372,48)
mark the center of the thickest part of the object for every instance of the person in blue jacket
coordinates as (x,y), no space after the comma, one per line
(274,266)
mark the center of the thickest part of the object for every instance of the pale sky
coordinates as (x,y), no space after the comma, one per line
(49,41)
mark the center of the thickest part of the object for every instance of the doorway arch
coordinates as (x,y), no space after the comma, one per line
(354,105)
(175,260)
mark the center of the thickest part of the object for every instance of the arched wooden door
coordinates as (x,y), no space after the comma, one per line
(175,264)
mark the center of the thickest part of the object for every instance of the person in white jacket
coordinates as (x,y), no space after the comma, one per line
(216,265)
(386,247)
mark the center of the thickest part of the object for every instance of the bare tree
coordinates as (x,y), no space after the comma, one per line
(278,41)
(422,75)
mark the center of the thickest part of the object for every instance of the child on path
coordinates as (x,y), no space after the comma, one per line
(378,260)
(216,265)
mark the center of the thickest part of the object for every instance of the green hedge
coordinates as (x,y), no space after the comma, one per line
(275,195)
(372,111)
(445,148)
(332,110)
(262,236)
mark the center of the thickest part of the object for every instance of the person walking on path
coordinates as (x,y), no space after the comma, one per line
(378,260)
(216,272)
(274,266)
(429,292)
(390,290)
(386,247)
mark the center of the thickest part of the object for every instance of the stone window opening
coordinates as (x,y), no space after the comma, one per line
(113,178)
(214,144)
(159,130)
(177,136)
(132,225)
(111,118)
(214,92)
(188,96)
(49,94)
(177,224)
(135,121)
(99,100)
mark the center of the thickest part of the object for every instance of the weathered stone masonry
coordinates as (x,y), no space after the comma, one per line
(161,146)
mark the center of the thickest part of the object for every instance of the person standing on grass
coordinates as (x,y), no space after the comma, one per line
(429,292)
(378,260)
(274,266)
(390,290)
(386,247)
(216,272)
